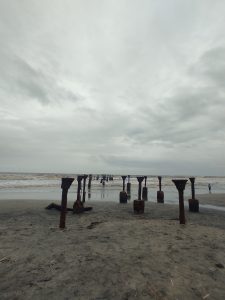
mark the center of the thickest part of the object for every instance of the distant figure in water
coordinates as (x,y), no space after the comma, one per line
(209,186)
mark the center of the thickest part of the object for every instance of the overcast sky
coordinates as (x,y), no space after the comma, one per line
(112,86)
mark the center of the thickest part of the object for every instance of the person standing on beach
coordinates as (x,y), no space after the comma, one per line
(209,186)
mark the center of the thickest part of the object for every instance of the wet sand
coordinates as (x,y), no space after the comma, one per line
(212,199)
(110,253)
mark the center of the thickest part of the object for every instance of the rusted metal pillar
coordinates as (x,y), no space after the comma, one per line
(79,179)
(180,185)
(140,179)
(193,203)
(128,185)
(66,183)
(145,190)
(84,187)
(192,180)
(89,181)
(139,205)
(160,193)
(123,194)
(89,185)
(124,178)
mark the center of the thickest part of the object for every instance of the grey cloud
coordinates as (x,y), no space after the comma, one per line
(190,116)
(151,166)
(31,82)
(112,86)
(22,79)
(211,66)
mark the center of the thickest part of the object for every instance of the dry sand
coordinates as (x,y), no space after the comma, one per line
(110,253)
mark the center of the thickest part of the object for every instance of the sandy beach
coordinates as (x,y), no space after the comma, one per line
(212,199)
(110,253)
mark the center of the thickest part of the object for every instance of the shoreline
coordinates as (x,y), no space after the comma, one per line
(206,201)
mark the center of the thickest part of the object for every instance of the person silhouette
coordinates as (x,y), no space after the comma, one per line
(209,186)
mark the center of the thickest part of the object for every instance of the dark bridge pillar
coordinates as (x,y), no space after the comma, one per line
(66,183)
(84,187)
(180,185)
(89,181)
(123,194)
(193,203)
(139,205)
(160,193)
(128,185)
(79,179)
(145,190)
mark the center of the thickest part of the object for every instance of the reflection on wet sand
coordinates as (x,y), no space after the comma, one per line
(102,193)
(106,193)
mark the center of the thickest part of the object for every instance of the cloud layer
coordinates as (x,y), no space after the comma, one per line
(99,86)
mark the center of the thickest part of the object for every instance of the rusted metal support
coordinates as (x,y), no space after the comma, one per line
(123,194)
(84,187)
(79,180)
(140,179)
(89,185)
(66,183)
(145,190)
(89,180)
(128,185)
(124,178)
(192,180)
(193,203)
(160,193)
(123,197)
(139,205)
(180,185)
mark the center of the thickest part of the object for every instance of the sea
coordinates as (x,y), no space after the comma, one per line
(44,186)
